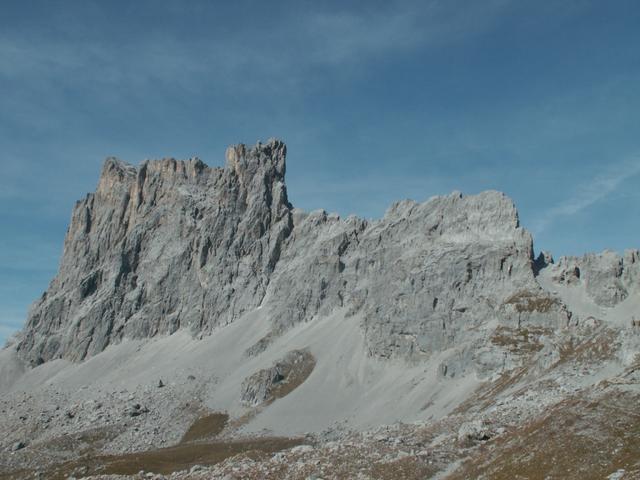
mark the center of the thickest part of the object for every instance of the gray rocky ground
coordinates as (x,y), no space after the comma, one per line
(202,327)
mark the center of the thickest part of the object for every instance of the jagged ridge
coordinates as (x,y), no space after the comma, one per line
(168,245)
(177,244)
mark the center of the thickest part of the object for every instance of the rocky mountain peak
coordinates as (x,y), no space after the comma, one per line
(607,277)
(245,160)
(176,244)
(171,244)
(299,322)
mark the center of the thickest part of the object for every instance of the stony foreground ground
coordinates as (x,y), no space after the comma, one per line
(527,423)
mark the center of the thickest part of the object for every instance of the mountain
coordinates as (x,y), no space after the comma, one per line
(187,292)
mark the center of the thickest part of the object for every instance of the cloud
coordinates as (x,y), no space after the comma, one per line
(256,57)
(339,38)
(590,193)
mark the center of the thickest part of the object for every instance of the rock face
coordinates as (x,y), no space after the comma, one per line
(172,244)
(179,245)
(421,276)
(608,277)
(278,380)
(542,354)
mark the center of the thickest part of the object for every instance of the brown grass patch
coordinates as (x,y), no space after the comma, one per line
(194,448)
(526,301)
(162,461)
(279,380)
(183,456)
(486,394)
(80,443)
(595,349)
(206,427)
(295,376)
(577,439)
(408,468)
(524,340)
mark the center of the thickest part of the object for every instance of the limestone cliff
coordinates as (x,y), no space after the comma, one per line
(179,245)
(608,278)
(169,245)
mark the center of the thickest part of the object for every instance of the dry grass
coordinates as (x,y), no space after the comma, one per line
(486,394)
(206,427)
(295,376)
(16,474)
(279,380)
(183,456)
(595,349)
(408,468)
(577,439)
(81,443)
(193,449)
(520,340)
(526,301)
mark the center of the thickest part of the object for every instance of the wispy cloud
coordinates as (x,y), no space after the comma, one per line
(266,58)
(590,193)
(335,39)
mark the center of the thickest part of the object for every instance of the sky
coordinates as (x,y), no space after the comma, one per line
(377,102)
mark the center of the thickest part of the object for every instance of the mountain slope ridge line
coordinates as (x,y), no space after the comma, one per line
(177,244)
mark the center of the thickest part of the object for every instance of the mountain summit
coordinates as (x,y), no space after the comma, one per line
(177,245)
(196,307)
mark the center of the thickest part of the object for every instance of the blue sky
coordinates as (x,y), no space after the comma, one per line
(377,101)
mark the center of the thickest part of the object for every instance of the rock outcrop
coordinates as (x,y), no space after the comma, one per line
(179,245)
(608,278)
(277,381)
(427,343)
(169,245)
